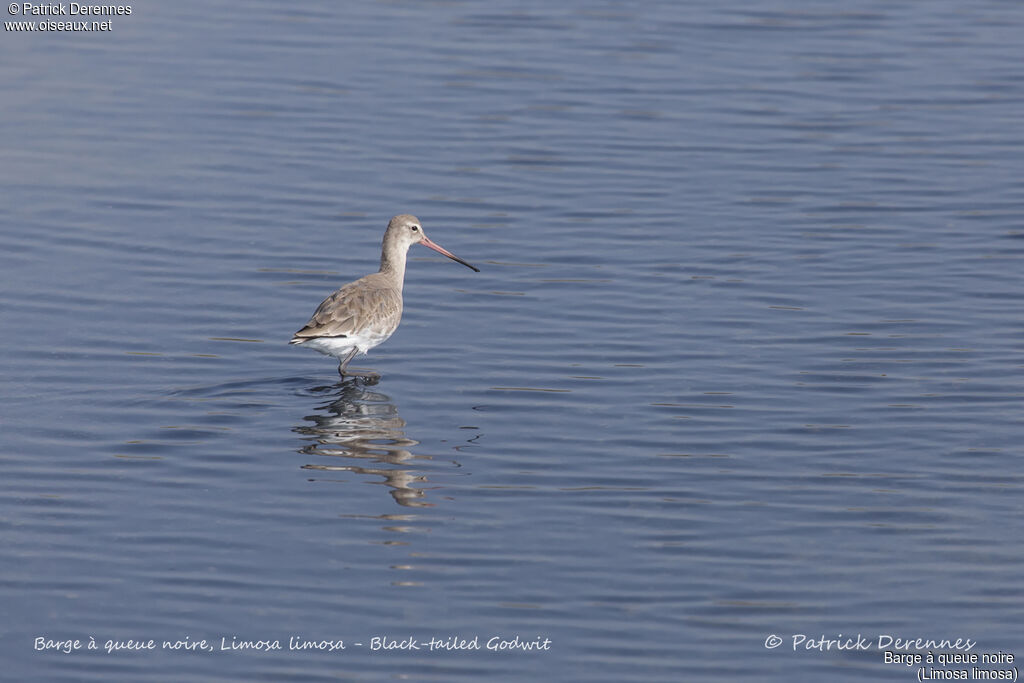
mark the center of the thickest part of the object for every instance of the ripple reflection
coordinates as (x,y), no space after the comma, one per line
(360,431)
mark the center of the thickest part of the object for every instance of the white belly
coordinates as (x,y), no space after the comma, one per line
(340,347)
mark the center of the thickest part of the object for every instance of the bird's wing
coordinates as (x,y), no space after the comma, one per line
(356,307)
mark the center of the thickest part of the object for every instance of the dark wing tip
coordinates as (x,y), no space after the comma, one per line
(300,337)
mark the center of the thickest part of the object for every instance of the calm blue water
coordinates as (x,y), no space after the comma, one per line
(745,357)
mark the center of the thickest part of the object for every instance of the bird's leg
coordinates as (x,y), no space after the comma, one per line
(344,363)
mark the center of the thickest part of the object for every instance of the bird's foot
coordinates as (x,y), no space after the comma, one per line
(367,376)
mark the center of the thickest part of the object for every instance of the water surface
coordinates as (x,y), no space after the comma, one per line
(744,358)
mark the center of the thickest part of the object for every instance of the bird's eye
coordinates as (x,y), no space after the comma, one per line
(415,228)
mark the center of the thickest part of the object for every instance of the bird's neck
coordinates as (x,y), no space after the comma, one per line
(392,264)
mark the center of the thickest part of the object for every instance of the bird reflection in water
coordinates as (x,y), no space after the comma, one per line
(361,431)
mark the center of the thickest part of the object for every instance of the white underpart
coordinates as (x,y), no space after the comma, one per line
(340,347)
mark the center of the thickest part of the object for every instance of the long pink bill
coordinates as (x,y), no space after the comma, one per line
(426,241)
